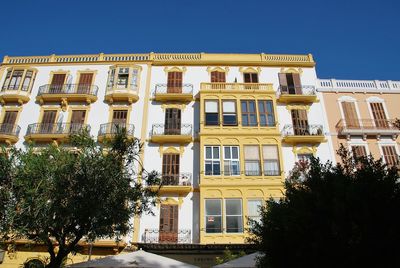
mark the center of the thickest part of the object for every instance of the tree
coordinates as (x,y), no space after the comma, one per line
(333,216)
(58,196)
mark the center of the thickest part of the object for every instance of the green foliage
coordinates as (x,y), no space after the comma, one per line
(228,256)
(62,195)
(345,215)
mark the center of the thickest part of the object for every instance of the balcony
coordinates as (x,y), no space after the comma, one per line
(303,134)
(235,87)
(182,236)
(164,92)
(367,127)
(122,93)
(57,132)
(14,94)
(9,133)
(292,94)
(161,133)
(67,93)
(109,130)
(175,183)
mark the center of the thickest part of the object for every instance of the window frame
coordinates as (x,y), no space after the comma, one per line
(248,114)
(226,215)
(246,172)
(231,160)
(213,160)
(264,104)
(132,81)
(229,113)
(211,215)
(252,217)
(277,161)
(21,84)
(218,122)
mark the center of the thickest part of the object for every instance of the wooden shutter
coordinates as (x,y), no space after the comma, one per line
(168,232)
(77,120)
(350,115)
(172,124)
(119,116)
(359,151)
(10,117)
(300,122)
(48,121)
(217,77)
(379,115)
(390,155)
(57,83)
(170,169)
(85,82)
(296,83)
(174,84)
(283,83)
(250,77)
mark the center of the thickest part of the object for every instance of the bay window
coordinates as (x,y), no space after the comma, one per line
(231,161)
(212,160)
(229,112)
(252,160)
(271,160)
(249,115)
(212,115)
(266,113)
(18,79)
(123,77)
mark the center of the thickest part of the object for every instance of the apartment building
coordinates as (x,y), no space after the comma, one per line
(361,114)
(223,130)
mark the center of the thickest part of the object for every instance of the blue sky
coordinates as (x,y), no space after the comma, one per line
(349,39)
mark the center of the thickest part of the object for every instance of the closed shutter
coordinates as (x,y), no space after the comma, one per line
(172,124)
(119,116)
(174,84)
(8,125)
(170,169)
(296,83)
(283,83)
(48,121)
(250,77)
(77,120)
(390,155)
(379,115)
(359,151)
(57,83)
(350,115)
(217,77)
(168,224)
(85,82)
(300,122)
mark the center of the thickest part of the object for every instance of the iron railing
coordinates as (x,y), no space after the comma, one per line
(235,86)
(171,129)
(10,129)
(307,130)
(366,125)
(173,89)
(68,89)
(297,90)
(116,128)
(116,87)
(181,236)
(181,179)
(56,128)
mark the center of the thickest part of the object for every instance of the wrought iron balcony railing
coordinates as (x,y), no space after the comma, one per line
(181,179)
(308,130)
(235,86)
(173,89)
(297,90)
(181,236)
(10,129)
(116,128)
(367,126)
(171,129)
(56,128)
(69,89)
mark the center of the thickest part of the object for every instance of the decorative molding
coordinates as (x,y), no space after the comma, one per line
(217,69)
(304,150)
(291,70)
(250,70)
(298,107)
(180,106)
(168,69)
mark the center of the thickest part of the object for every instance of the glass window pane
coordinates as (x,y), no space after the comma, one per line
(253,207)
(235,152)
(213,224)
(211,119)
(227,150)
(252,106)
(208,152)
(251,152)
(233,207)
(244,106)
(215,152)
(211,106)
(228,107)
(234,224)
(213,207)
(270,152)
(216,167)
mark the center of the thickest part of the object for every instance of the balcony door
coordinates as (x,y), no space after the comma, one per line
(85,82)
(10,117)
(174,84)
(48,121)
(300,122)
(168,224)
(172,124)
(350,115)
(290,83)
(57,83)
(119,120)
(77,120)
(379,115)
(170,169)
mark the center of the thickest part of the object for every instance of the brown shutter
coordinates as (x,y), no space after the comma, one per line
(57,83)
(48,120)
(390,155)
(297,83)
(172,124)
(300,122)
(174,84)
(168,231)
(119,116)
(217,77)
(85,81)
(359,151)
(78,117)
(170,169)
(379,115)
(10,117)
(350,115)
(283,83)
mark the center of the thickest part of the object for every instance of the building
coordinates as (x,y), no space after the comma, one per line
(223,130)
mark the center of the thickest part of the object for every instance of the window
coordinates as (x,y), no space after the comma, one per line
(123,78)
(174,84)
(379,115)
(252,160)
(172,121)
(231,161)
(249,116)
(18,80)
(212,116)
(304,157)
(359,151)
(213,216)
(217,77)
(250,77)
(300,122)
(170,169)
(229,117)
(233,215)
(290,83)
(390,155)
(253,210)
(212,160)
(271,160)
(266,113)
(350,114)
